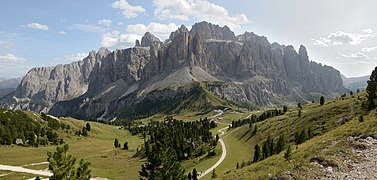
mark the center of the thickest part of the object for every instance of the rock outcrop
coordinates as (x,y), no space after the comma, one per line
(244,68)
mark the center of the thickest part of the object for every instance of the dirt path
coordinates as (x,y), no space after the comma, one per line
(32,171)
(223,155)
(223,147)
(25,170)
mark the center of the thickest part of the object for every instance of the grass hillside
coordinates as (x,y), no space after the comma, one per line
(97,148)
(330,125)
(194,101)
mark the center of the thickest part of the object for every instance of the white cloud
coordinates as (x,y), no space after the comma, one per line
(128,11)
(120,24)
(105,22)
(35,25)
(75,57)
(158,29)
(89,28)
(115,39)
(201,10)
(369,30)
(11,58)
(62,32)
(13,66)
(344,38)
(6,45)
(357,56)
(369,49)
(319,42)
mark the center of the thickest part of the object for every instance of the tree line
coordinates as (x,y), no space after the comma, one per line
(170,141)
(18,126)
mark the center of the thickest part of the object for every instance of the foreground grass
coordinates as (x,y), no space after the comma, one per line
(331,123)
(98,148)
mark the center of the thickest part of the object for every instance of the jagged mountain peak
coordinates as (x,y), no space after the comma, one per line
(148,39)
(212,31)
(246,68)
(181,29)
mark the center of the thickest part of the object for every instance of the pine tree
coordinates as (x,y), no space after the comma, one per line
(299,105)
(255,130)
(257,153)
(162,163)
(214,175)
(83,171)
(322,100)
(88,127)
(116,143)
(194,174)
(84,132)
(125,146)
(285,109)
(372,90)
(270,145)
(280,146)
(288,153)
(237,166)
(299,113)
(302,137)
(62,165)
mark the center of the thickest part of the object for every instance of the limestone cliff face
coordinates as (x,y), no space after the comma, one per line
(42,87)
(244,68)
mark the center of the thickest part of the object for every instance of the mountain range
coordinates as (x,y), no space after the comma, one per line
(355,83)
(8,85)
(157,77)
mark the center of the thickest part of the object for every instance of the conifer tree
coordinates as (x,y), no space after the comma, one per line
(116,143)
(280,146)
(257,153)
(322,100)
(125,146)
(372,90)
(62,165)
(214,175)
(88,127)
(194,174)
(288,153)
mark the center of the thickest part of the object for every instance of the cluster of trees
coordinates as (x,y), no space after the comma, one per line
(303,135)
(117,144)
(255,118)
(17,125)
(170,142)
(84,131)
(269,148)
(63,165)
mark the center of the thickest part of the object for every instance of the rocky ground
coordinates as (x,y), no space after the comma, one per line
(363,168)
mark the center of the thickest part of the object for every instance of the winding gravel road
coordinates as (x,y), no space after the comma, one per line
(223,147)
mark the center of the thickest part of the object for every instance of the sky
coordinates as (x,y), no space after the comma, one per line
(34,33)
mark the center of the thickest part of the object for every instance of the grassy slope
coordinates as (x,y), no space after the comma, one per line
(323,122)
(98,149)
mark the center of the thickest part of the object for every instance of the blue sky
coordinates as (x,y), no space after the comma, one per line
(340,33)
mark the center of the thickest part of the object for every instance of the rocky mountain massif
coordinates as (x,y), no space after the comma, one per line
(246,69)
